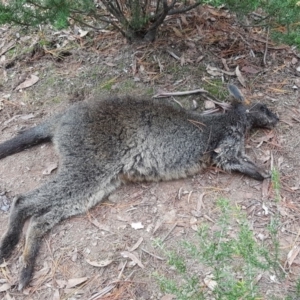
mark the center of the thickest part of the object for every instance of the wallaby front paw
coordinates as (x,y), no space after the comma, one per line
(266,174)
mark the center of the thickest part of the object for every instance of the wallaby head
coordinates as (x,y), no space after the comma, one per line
(257,114)
(106,142)
(260,116)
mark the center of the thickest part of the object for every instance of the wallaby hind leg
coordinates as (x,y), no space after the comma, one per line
(46,219)
(62,197)
(38,227)
(19,213)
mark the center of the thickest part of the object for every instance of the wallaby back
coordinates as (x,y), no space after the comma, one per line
(104,143)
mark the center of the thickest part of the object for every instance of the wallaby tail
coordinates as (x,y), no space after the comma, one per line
(36,135)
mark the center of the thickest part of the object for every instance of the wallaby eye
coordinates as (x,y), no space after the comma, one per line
(263,109)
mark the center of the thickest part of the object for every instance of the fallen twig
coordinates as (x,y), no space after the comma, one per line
(173,227)
(160,258)
(197,124)
(122,270)
(223,105)
(266,48)
(169,94)
(176,101)
(103,292)
(173,55)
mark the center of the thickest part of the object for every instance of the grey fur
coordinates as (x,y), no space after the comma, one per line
(105,143)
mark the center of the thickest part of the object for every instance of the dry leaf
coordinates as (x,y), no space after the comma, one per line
(3,265)
(265,156)
(177,32)
(261,236)
(100,226)
(27,117)
(265,189)
(49,168)
(182,60)
(294,60)
(218,150)
(136,245)
(56,295)
(224,63)
(240,76)
(157,226)
(209,282)
(142,69)
(273,278)
(265,208)
(219,13)
(42,272)
(213,71)
(193,223)
(7,47)
(28,82)
(250,70)
(74,255)
(61,283)
(75,281)
(257,279)
(110,64)
(199,58)
(218,72)
(292,255)
(4,287)
(8,297)
(133,258)
(99,264)
(183,19)
(194,227)
(161,67)
(280,161)
(137,225)
(82,32)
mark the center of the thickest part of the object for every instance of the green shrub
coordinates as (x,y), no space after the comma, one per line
(140,19)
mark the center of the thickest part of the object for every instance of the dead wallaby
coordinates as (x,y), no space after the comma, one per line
(106,142)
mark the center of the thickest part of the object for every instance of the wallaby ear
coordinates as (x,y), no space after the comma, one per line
(237,94)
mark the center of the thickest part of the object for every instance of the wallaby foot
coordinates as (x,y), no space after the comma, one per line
(10,239)
(25,277)
(38,227)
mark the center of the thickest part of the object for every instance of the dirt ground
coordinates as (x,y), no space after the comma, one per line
(71,68)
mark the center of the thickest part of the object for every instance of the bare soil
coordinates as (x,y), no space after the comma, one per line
(102,63)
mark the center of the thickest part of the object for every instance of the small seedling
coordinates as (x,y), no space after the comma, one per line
(230,255)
